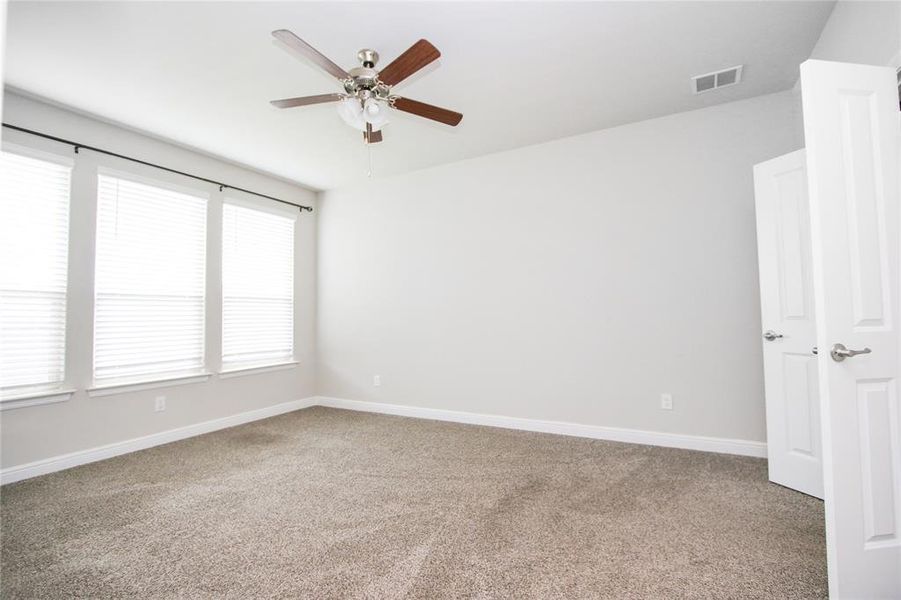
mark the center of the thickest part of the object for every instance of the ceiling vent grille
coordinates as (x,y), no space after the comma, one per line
(716,80)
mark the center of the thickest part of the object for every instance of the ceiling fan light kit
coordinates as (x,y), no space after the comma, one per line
(367,91)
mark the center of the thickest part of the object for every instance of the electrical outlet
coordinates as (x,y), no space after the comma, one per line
(376,380)
(159,404)
(666,401)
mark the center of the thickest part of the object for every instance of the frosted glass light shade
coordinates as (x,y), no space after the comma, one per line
(351,111)
(375,113)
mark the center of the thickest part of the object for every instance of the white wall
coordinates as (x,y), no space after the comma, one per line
(574,280)
(34,433)
(861,32)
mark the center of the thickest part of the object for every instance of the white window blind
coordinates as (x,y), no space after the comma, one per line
(257,287)
(34,248)
(149,281)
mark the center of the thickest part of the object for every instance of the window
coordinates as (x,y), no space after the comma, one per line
(149,282)
(34,246)
(257,288)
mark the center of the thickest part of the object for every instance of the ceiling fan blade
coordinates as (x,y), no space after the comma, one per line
(435,113)
(414,58)
(309,52)
(306,100)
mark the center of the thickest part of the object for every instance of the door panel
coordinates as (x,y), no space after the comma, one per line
(793,241)
(800,405)
(878,405)
(851,127)
(786,288)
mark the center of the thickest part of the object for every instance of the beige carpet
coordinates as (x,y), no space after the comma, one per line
(324,503)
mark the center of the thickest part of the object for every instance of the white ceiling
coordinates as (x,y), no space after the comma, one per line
(202,73)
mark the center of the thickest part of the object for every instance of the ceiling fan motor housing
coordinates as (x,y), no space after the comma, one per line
(364,77)
(364,81)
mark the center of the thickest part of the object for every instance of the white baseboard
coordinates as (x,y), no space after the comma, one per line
(632,436)
(66,461)
(615,434)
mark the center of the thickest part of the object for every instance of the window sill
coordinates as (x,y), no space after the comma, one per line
(36,399)
(149,384)
(241,371)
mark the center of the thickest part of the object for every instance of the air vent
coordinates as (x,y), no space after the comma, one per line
(716,80)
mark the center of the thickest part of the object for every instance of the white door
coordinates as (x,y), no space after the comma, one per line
(851,126)
(789,336)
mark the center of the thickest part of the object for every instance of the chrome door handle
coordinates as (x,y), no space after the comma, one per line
(840,352)
(770,335)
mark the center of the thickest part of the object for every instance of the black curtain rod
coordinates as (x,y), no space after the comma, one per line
(221,185)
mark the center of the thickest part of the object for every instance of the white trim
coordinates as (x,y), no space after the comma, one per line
(182,184)
(38,154)
(36,399)
(241,371)
(598,432)
(123,387)
(261,205)
(632,436)
(74,459)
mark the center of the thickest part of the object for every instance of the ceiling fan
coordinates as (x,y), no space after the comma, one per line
(367,90)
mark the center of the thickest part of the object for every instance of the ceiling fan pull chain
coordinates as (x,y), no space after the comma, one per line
(369,158)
